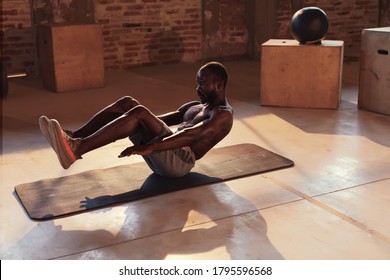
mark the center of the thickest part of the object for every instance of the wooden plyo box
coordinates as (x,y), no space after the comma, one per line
(71,56)
(301,76)
(374,80)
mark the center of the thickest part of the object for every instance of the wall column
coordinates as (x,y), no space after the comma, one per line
(261,24)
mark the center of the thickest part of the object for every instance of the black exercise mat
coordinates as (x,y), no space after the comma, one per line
(58,197)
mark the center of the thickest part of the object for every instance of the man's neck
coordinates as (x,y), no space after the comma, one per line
(220,101)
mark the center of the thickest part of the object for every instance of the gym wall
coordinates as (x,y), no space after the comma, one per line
(149,32)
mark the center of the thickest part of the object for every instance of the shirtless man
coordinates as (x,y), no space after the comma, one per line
(201,125)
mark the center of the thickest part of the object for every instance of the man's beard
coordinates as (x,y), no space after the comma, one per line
(208,98)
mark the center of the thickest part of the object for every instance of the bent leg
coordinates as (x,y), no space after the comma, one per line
(138,120)
(105,116)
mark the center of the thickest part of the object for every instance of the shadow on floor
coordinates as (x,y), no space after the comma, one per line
(144,223)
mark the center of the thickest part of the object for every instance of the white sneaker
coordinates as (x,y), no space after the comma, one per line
(63,145)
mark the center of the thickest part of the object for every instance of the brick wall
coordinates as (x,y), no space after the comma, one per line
(135,32)
(147,32)
(225,32)
(17,36)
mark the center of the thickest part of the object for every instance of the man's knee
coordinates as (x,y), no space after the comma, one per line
(139,112)
(125,104)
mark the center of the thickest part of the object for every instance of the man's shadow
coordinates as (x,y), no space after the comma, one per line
(195,221)
(152,186)
(201,220)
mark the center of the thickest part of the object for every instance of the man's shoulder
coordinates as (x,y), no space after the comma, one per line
(226,108)
(223,113)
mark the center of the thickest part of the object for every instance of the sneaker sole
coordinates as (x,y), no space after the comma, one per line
(64,153)
(44,127)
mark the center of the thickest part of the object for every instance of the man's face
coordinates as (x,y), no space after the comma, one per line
(206,87)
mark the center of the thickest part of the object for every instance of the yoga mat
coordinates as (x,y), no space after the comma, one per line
(58,197)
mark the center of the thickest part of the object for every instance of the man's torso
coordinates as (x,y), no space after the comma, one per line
(200,113)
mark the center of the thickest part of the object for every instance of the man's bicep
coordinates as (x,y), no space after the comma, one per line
(176,117)
(171,118)
(186,106)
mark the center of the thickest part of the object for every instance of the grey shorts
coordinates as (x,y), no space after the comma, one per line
(171,163)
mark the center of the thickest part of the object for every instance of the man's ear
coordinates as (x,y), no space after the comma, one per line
(218,85)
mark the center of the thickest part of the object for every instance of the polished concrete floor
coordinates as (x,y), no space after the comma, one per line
(333,204)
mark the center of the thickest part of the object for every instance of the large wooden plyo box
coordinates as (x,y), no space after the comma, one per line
(301,76)
(374,82)
(71,56)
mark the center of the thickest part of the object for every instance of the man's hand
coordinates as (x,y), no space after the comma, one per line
(141,150)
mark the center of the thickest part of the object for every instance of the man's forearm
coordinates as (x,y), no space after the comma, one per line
(178,140)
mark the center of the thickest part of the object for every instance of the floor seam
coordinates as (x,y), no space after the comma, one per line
(355,186)
(331,210)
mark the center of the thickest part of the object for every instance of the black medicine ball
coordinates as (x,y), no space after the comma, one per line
(309,25)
